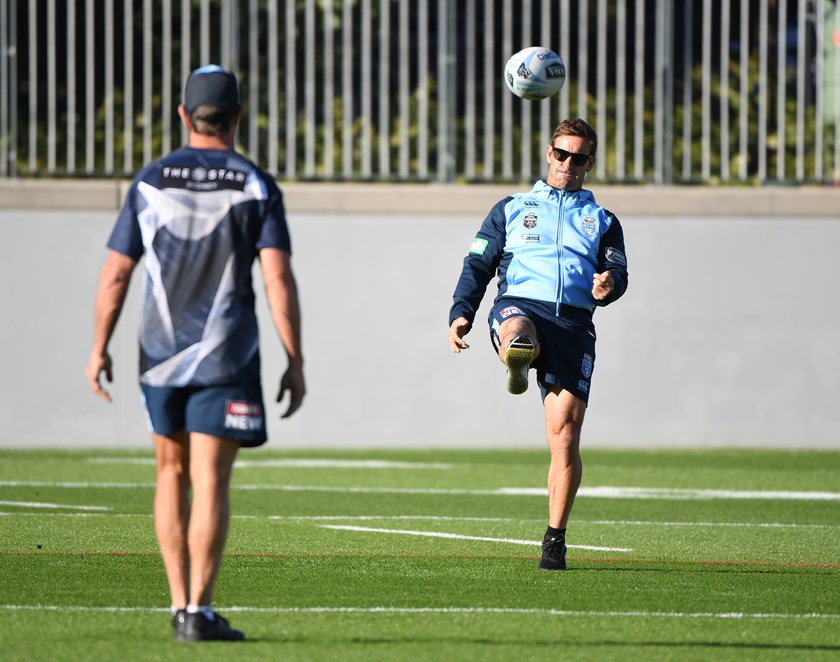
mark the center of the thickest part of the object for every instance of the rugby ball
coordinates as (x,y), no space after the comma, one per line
(535,73)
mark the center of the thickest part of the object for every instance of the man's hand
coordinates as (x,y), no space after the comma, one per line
(602,285)
(457,330)
(97,364)
(292,381)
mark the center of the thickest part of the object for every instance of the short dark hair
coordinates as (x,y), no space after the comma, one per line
(212,121)
(576,127)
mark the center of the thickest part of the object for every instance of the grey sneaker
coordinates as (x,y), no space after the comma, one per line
(518,357)
(553,554)
(197,627)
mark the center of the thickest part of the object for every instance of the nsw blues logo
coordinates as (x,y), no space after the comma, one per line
(586,366)
(589,226)
(530,221)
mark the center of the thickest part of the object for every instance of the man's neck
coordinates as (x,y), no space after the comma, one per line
(199,141)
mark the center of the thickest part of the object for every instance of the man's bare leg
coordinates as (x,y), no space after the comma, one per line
(518,347)
(172,512)
(211,467)
(563,422)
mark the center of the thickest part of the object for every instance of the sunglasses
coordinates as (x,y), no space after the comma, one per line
(578,158)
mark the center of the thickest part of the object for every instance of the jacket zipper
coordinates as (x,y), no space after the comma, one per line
(561,216)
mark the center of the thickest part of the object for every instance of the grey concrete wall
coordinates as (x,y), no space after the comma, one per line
(727,335)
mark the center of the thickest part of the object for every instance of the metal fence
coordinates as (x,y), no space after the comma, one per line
(691,91)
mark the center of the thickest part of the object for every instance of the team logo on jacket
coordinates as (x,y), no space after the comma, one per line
(586,366)
(530,220)
(615,255)
(589,226)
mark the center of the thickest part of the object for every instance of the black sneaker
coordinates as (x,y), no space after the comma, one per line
(197,627)
(518,357)
(176,617)
(553,554)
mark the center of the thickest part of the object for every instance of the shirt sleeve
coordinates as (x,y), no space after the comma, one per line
(480,264)
(274,232)
(126,237)
(612,257)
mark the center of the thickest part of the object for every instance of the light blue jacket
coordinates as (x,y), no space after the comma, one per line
(544,245)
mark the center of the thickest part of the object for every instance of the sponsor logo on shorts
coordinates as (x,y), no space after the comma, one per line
(530,220)
(478,246)
(583,386)
(615,255)
(589,226)
(510,310)
(243,415)
(586,366)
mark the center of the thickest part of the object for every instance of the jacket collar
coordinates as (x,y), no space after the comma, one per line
(542,188)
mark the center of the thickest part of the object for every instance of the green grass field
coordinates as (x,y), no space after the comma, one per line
(432,555)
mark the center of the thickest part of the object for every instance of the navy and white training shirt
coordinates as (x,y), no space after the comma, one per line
(199,218)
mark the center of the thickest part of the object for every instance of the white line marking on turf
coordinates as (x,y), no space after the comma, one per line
(341,464)
(362,518)
(445,610)
(761,525)
(438,534)
(598,492)
(297,463)
(85,485)
(666,493)
(442,518)
(37,504)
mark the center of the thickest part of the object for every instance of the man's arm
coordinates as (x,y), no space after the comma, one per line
(113,287)
(480,265)
(282,294)
(611,278)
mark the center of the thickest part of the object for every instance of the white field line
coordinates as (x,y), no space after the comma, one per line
(441,518)
(296,463)
(647,493)
(479,611)
(438,534)
(666,493)
(758,525)
(37,504)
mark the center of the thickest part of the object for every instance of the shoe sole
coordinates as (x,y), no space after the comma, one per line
(198,637)
(191,632)
(518,358)
(552,567)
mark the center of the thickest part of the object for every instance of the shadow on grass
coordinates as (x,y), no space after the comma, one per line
(545,643)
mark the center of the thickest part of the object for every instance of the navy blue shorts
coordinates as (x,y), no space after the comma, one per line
(231,411)
(567,345)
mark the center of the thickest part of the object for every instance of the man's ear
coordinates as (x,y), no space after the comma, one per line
(185,116)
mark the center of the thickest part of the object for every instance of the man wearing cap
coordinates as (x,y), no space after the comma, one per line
(199,217)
